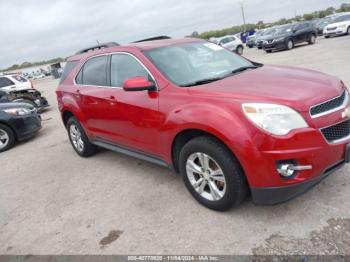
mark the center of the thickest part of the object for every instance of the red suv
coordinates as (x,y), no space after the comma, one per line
(229,125)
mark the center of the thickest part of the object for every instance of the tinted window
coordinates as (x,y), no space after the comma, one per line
(4,81)
(20,78)
(67,69)
(95,71)
(79,78)
(125,66)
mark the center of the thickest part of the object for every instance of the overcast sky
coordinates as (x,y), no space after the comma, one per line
(34,30)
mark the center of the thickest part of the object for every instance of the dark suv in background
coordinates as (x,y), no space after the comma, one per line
(287,36)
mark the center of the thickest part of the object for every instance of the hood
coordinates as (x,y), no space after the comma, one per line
(338,24)
(294,87)
(15,105)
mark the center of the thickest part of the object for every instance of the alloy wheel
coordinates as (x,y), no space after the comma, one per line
(290,44)
(76,138)
(313,39)
(4,139)
(206,176)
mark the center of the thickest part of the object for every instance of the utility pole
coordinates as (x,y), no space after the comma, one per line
(243,16)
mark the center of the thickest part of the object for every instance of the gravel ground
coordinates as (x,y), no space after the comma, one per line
(54,202)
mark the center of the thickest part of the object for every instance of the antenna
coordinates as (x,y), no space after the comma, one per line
(98,43)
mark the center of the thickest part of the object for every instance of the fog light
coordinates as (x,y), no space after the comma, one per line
(288,170)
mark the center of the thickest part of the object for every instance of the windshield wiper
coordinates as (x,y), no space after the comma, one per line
(202,81)
(243,68)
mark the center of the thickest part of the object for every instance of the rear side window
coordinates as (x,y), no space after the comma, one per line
(4,81)
(67,69)
(94,72)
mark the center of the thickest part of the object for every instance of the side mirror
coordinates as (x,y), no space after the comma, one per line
(138,83)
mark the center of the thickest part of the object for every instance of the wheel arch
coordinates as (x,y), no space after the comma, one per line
(11,127)
(186,135)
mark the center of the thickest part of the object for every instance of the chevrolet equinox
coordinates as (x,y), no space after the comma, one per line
(230,126)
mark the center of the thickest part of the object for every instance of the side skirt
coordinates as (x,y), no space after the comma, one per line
(132,153)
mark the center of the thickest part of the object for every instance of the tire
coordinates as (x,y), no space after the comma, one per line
(230,183)
(7,138)
(348,31)
(79,140)
(326,36)
(290,44)
(268,51)
(312,39)
(239,50)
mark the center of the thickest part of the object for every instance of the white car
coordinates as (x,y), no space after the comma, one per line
(230,42)
(339,26)
(14,83)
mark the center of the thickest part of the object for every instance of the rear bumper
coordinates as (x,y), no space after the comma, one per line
(276,195)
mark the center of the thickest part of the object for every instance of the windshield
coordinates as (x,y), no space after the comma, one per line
(341,18)
(188,63)
(269,31)
(283,29)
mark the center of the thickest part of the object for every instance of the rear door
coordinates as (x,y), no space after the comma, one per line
(90,92)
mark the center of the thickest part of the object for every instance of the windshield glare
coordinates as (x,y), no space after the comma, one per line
(191,62)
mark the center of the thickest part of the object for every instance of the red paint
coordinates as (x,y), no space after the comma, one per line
(149,121)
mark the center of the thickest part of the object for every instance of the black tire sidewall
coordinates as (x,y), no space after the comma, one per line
(89,149)
(11,135)
(231,169)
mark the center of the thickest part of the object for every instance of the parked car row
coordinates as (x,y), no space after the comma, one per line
(285,37)
(20,108)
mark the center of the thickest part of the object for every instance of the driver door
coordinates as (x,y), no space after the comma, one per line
(133,117)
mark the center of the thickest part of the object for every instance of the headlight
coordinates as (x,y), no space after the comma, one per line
(18,111)
(275,119)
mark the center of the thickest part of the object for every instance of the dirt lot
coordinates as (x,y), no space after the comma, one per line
(54,202)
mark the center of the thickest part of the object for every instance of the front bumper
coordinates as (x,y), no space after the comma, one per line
(26,126)
(274,45)
(276,195)
(335,32)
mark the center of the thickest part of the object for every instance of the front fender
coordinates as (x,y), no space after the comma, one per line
(221,121)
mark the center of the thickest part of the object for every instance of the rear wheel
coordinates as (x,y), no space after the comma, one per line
(212,174)
(326,36)
(79,139)
(312,39)
(348,32)
(7,138)
(290,44)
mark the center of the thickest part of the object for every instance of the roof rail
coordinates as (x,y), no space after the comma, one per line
(162,37)
(96,47)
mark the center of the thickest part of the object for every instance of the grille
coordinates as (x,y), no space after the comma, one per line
(337,131)
(329,105)
(331,28)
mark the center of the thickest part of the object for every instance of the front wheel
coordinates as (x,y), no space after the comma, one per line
(79,139)
(212,174)
(348,32)
(7,138)
(290,44)
(312,39)
(239,50)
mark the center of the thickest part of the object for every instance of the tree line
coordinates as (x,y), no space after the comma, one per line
(345,7)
